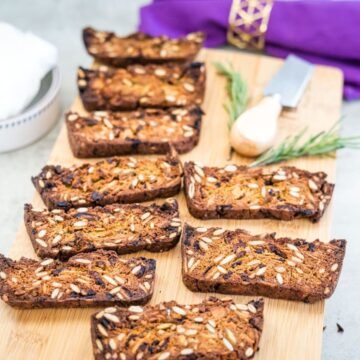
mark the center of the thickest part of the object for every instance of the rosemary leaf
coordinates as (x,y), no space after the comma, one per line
(322,143)
(236,89)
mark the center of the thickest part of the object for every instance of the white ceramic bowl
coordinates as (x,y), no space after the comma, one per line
(37,119)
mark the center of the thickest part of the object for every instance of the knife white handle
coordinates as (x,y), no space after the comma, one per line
(254,130)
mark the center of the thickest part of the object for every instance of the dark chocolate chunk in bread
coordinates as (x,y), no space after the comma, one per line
(240,192)
(140,48)
(212,329)
(236,262)
(99,278)
(123,228)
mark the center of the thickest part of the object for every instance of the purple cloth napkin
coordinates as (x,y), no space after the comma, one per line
(322,31)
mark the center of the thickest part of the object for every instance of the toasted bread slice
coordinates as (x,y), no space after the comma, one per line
(138,86)
(240,192)
(123,228)
(114,180)
(212,329)
(236,262)
(139,48)
(143,131)
(99,278)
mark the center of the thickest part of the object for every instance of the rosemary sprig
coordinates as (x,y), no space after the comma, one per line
(321,143)
(236,89)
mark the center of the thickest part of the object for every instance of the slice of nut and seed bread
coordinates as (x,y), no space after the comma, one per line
(99,278)
(144,131)
(212,329)
(142,86)
(140,48)
(236,262)
(114,180)
(123,228)
(240,192)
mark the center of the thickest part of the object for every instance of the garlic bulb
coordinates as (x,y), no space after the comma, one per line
(255,130)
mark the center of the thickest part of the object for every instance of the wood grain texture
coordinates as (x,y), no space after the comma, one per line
(292,330)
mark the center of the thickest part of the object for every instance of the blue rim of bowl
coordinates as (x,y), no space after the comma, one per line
(38,108)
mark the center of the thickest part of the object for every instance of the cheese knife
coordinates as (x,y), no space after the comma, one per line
(255,130)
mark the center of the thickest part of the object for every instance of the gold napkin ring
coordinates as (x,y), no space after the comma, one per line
(248,22)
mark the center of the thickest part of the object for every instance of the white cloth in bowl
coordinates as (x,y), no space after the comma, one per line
(25,59)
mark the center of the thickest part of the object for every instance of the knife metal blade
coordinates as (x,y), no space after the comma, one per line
(290,81)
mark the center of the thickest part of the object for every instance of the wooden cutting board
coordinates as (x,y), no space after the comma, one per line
(292,330)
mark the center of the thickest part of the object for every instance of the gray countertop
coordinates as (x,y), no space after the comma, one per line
(61,22)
